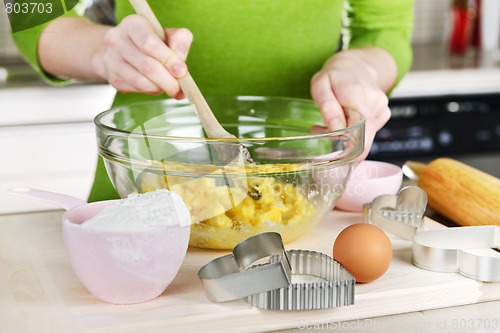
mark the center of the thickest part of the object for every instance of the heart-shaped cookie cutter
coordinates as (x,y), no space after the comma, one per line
(401,215)
(230,277)
(268,285)
(466,250)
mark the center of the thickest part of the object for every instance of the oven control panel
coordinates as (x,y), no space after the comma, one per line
(440,125)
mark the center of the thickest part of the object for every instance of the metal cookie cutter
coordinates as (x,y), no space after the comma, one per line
(400,215)
(227,278)
(337,289)
(467,250)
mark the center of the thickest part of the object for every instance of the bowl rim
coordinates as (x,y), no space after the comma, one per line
(68,221)
(184,102)
(395,171)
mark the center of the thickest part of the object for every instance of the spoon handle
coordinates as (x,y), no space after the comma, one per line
(62,200)
(211,125)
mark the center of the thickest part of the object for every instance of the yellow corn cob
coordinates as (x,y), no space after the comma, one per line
(461,193)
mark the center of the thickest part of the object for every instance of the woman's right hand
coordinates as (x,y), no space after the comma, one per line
(134,59)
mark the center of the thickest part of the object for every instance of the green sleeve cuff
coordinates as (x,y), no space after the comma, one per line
(396,43)
(27,44)
(382,23)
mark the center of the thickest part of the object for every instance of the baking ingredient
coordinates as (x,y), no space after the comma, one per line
(160,208)
(224,213)
(465,195)
(132,249)
(364,250)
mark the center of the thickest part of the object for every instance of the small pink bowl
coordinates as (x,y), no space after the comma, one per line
(123,267)
(369,180)
(119,266)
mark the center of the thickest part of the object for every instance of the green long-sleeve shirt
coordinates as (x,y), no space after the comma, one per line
(261,47)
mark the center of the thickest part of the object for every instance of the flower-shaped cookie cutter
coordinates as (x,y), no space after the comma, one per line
(401,215)
(232,277)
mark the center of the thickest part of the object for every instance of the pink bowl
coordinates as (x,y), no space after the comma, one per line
(123,267)
(369,180)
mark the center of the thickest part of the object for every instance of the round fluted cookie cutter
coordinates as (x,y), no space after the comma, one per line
(230,277)
(337,289)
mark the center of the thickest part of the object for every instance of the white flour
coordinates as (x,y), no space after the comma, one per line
(160,208)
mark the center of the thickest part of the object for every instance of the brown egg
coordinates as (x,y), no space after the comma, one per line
(364,250)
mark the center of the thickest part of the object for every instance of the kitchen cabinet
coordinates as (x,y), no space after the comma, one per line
(47,141)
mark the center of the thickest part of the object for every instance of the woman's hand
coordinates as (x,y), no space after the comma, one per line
(134,59)
(355,79)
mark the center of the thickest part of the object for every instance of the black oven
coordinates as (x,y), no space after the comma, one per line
(461,126)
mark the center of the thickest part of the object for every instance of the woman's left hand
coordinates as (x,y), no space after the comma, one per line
(349,81)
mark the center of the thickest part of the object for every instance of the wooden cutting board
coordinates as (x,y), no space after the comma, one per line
(40,293)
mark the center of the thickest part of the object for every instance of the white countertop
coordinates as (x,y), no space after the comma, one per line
(448,82)
(52,105)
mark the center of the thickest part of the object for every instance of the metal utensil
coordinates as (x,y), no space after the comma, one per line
(466,250)
(412,169)
(228,151)
(336,289)
(229,277)
(401,215)
(268,286)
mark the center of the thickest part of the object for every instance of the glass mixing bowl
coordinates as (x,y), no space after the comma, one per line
(298,172)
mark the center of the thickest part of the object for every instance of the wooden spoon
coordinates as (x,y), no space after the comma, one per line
(227,152)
